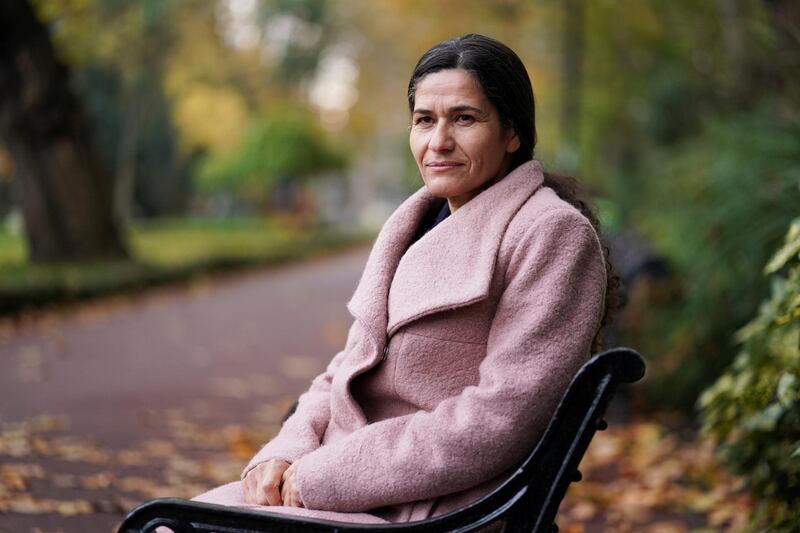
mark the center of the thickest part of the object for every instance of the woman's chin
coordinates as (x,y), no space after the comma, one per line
(442,187)
(436,193)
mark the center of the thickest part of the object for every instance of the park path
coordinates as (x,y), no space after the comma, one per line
(95,381)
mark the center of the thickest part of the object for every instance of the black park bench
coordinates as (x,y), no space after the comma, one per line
(526,502)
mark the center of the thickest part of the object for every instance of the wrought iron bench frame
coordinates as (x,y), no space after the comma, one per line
(526,502)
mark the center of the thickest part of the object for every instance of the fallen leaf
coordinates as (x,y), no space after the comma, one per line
(666,527)
(300,367)
(73,508)
(31,365)
(584,510)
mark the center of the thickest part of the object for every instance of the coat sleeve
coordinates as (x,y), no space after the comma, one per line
(302,432)
(546,318)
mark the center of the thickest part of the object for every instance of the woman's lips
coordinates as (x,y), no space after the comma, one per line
(442,166)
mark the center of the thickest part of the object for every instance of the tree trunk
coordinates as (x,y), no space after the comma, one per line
(125,178)
(785,64)
(572,75)
(66,197)
(734,36)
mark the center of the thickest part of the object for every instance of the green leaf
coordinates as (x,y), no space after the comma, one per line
(765,420)
(787,389)
(790,249)
(796,452)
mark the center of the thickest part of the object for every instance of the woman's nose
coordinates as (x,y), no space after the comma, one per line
(441,137)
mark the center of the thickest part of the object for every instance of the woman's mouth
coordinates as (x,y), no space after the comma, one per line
(439,166)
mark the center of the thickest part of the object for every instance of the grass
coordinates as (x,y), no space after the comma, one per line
(180,242)
(163,251)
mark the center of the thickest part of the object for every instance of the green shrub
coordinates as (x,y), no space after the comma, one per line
(716,206)
(165,250)
(278,148)
(753,410)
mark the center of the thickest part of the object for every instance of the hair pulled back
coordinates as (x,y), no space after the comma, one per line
(504,79)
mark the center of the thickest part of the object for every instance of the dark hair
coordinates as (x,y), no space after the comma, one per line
(504,79)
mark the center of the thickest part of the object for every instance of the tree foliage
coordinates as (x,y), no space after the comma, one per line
(118,51)
(275,148)
(715,206)
(753,409)
(689,130)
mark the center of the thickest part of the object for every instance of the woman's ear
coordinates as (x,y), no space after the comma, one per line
(512,145)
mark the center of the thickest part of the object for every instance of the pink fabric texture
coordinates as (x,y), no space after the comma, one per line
(485,320)
(231,494)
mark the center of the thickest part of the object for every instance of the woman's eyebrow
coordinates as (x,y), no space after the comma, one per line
(460,108)
(454,109)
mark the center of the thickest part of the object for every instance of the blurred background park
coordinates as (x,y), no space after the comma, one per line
(152,153)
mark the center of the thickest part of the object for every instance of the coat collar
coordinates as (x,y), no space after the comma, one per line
(450,266)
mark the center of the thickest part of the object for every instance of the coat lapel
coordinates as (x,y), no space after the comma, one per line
(450,266)
(369,301)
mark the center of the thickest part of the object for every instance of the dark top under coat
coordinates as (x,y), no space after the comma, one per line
(430,221)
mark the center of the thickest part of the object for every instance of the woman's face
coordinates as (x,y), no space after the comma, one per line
(456,137)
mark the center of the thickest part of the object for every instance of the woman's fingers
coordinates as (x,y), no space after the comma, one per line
(262,484)
(286,493)
(247,488)
(250,487)
(269,492)
(289,492)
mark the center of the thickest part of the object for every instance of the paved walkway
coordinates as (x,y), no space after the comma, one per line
(86,389)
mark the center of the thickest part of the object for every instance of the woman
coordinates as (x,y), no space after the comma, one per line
(482,296)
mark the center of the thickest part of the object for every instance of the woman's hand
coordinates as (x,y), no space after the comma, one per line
(262,485)
(289,492)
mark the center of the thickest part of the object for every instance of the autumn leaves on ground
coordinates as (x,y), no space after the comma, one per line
(637,479)
(169,393)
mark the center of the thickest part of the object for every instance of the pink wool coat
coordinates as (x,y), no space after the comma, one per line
(461,346)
